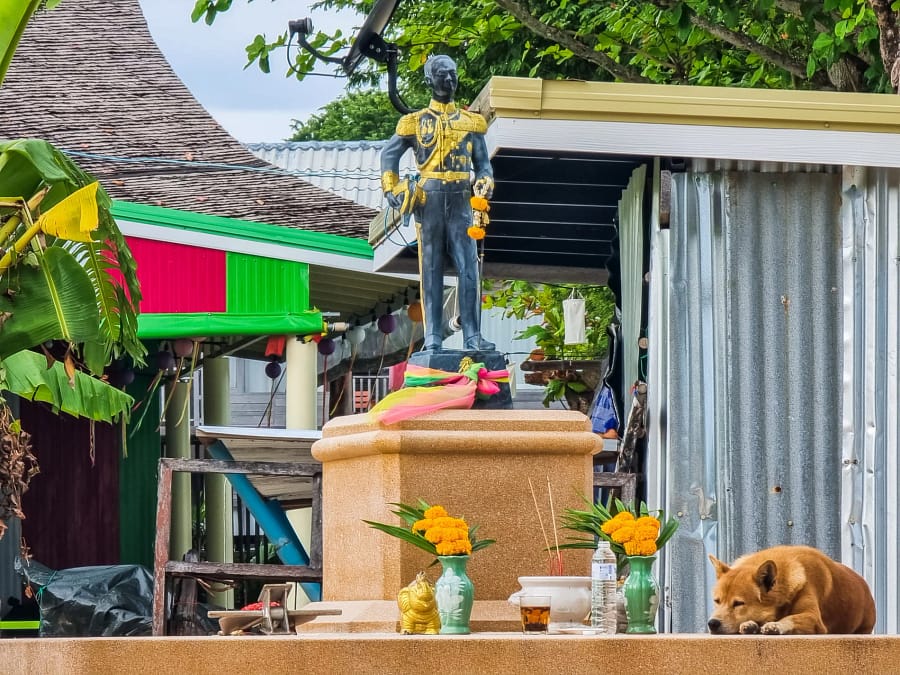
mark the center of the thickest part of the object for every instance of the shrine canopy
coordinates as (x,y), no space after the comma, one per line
(233,282)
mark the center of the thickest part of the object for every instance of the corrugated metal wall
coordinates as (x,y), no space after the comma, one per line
(257,285)
(351,169)
(869,432)
(753,349)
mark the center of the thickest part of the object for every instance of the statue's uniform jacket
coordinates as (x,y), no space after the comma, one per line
(448,144)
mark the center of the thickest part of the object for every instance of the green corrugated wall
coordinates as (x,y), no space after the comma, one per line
(138,479)
(261,285)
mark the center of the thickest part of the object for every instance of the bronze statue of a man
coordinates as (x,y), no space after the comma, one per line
(449,145)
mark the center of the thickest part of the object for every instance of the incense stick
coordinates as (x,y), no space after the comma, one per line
(559,567)
(541,521)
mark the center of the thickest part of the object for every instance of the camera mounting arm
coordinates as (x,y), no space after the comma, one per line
(368,43)
(303,27)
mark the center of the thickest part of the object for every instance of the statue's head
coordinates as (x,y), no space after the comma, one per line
(441,76)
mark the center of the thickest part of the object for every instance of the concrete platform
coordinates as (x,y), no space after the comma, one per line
(480,653)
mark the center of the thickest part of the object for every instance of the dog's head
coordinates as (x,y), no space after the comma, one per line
(743,593)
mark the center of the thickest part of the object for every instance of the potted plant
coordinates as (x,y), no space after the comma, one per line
(451,540)
(543,303)
(635,534)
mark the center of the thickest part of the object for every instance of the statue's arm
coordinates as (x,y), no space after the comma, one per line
(392,152)
(481,163)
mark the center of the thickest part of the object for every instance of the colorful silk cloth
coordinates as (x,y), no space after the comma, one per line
(426,390)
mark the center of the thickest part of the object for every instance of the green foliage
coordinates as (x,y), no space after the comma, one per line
(58,289)
(363,115)
(14,16)
(543,302)
(759,43)
(525,300)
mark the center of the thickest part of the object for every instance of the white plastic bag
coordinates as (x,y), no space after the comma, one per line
(573,319)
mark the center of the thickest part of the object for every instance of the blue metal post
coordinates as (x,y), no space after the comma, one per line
(277,528)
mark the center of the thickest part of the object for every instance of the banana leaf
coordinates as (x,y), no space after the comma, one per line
(27,166)
(14,16)
(27,376)
(49,297)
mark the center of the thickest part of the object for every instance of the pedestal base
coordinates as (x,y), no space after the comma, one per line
(449,360)
(383,616)
(475,463)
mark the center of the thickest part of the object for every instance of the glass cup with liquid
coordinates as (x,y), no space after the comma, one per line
(535,612)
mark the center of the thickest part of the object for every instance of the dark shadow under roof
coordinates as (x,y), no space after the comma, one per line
(88,77)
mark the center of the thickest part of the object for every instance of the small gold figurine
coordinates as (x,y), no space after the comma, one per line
(418,609)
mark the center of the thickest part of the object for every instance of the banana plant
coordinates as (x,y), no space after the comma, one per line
(66,273)
(14,16)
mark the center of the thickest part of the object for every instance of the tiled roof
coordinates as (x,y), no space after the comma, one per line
(88,77)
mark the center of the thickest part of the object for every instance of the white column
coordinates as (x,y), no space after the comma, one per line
(300,384)
(301,379)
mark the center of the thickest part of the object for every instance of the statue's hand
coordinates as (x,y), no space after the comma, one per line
(487,187)
(393,200)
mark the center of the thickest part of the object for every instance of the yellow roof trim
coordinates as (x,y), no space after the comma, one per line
(526,98)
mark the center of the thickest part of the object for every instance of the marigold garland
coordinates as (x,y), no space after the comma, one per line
(480,208)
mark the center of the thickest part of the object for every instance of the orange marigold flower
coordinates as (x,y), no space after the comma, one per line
(648,521)
(623,534)
(436,512)
(640,547)
(645,532)
(422,525)
(475,232)
(461,547)
(479,203)
(617,521)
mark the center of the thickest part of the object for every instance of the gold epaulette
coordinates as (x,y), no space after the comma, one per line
(477,122)
(408,124)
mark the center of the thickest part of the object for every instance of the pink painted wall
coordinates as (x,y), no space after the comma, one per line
(176,278)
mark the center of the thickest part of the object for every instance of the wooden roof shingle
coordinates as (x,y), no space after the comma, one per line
(89,78)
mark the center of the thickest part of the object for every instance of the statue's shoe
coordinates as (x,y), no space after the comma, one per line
(479,344)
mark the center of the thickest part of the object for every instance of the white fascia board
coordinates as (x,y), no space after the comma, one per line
(237,245)
(856,148)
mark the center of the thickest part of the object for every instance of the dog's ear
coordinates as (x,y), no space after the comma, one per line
(765,575)
(720,567)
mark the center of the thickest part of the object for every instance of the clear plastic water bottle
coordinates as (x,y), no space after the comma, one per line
(603,589)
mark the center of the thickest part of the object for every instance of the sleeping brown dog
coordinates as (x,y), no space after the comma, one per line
(789,590)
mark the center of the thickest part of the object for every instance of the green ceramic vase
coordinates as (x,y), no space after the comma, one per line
(641,594)
(454,594)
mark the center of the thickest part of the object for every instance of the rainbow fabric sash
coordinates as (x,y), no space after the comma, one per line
(426,390)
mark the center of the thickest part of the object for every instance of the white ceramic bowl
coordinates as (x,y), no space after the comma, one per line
(570,598)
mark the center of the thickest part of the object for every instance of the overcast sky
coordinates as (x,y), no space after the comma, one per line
(251,105)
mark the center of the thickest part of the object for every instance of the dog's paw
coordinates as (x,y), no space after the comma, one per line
(749,628)
(771,628)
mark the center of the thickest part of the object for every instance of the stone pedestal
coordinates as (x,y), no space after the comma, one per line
(475,463)
(450,359)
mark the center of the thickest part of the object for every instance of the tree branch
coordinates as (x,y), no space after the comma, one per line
(889,38)
(567,40)
(745,42)
(792,7)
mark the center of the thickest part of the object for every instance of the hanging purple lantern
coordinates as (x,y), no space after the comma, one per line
(273,369)
(183,347)
(326,346)
(387,323)
(165,360)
